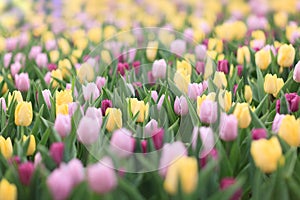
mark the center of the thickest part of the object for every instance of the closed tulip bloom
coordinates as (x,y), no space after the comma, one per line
(22,82)
(270,84)
(208,111)
(277,122)
(100,82)
(263,59)
(85,73)
(46,95)
(226,183)
(266,154)
(248,93)
(178,47)
(243,54)
(56,74)
(159,68)
(279,85)
(15,68)
(207,139)
(25,171)
(63,97)
(121,143)
(286,55)
(158,137)
(296,75)
(225,100)
(114,120)
(62,125)
(242,113)
(34,51)
(259,133)
(88,130)
(151,128)
(181,81)
(94,34)
(170,153)
(289,130)
(4,87)
(223,66)
(57,152)
(185,171)
(215,44)
(23,114)
(293,99)
(195,90)
(181,106)
(7,59)
(8,191)
(76,171)
(106,103)
(139,107)
(41,60)
(151,50)
(90,91)
(94,113)
(101,177)
(228,127)
(3,104)
(6,147)
(220,80)
(184,67)
(32,144)
(200,67)
(200,52)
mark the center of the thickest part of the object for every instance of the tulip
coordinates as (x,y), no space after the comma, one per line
(22,82)
(263,59)
(293,99)
(286,55)
(3,104)
(181,106)
(160,102)
(207,139)
(7,59)
(242,113)
(139,107)
(15,68)
(151,128)
(38,160)
(114,120)
(23,114)
(184,67)
(76,171)
(47,78)
(185,170)
(258,133)
(94,34)
(200,52)
(220,80)
(4,87)
(159,68)
(151,50)
(85,73)
(8,191)
(248,93)
(266,154)
(154,95)
(94,113)
(25,171)
(280,19)
(56,74)
(228,127)
(88,130)
(200,66)
(215,44)
(226,183)
(62,125)
(270,84)
(240,70)
(181,81)
(63,97)
(54,56)
(6,148)
(223,66)
(31,146)
(289,130)
(195,90)
(15,96)
(170,152)
(208,111)
(41,60)
(225,100)
(106,103)
(243,54)
(277,122)
(121,143)
(46,95)
(34,51)
(101,178)
(90,91)
(158,137)
(296,75)
(100,82)
(51,66)
(57,152)
(178,47)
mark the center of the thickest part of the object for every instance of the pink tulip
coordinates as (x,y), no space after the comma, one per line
(94,113)
(170,152)
(88,130)
(200,51)
(101,178)
(20,57)
(293,100)
(7,59)
(158,138)
(223,66)
(75,171)
(207,138)
(3,104)
(63,125)
(25,171)
(15,68)
(90,91)
(228,127)
(22,82)
(258,133)
(72,107)
(195,90)
(11,43)
(34,51)
(189,35)
(226,183)
(131,54)
(136,66)
(121,143)
(200,66)
(47,77)
(106,103)
(23,40)
(38,160)
(276,122)
(178,47)
(144,146)
(100,82)
(208,111)
(50,45)
(57,152)
(51,66)
(151,127)
(41,60)
(296,75)
(159,69)
(160,102)
(154,95)
(151,79)
(181,106)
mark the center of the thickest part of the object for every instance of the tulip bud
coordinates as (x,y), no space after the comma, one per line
(41,60)
(7,59)
(208,111)
(8,190)
(248,94)
(286,55)
(100,82)
(200,66)
(32,144)
(181,106)
(25,171)
(139,107)
(228,127)
(223,66)
(220,80)
(76,171)
(15,68)
(200,51)
(243,54)
(106,103)
(22,82)
(63,125)
(226,183)
(178,47)
(34,51)
(3,104)
(88,130)
(242,113)
(159,68)
(258,133)
(289,130)
(90,91)
(158,137)
(46,95)
(6,148)
(151,50)
(263,59)
(114,120)
(270,84)
(296,75)
(23,114)
(195,90)
(121,143)
(57,152)
(151,128)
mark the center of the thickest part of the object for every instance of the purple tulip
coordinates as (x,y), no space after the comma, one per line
(22,82)
(88,130)
(200,67)
(213,154)
(181,106)
(63,125)
(208,111)
(136,66)
(106,103)
(258,133)
(159,69)
(228,127)
(121,143)
(51,66)
(90,91)
(25,171)
(57,152)
(240,70)
(223,66)
(158,137)
(293,99)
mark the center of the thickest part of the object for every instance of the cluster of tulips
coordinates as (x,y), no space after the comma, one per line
(96,103)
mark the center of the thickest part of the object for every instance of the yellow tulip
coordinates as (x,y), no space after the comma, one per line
(54,56)
(258,35)
(263,59)
(279,85)
(62,109)
(220,80)
(266,154)
(32,144)
(225,100)
(281,19)
(243,53)
(182,81)
(105,56)
(85,73)
(6,148)
(8,191)
(184,67)
(286,55)
(15,96)
(63,97)
(94,34)
(23,114)
(242,113)
(56,74)
(139,107)
(65,67)
(185,171)
(64,45)
(4,87)
(109,31)
(81,43)
(289,130)
(114,120)
(248,93)
(215,44)
(151,50)
(199,102)
(270,84)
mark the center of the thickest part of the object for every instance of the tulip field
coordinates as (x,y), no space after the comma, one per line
(145,99)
